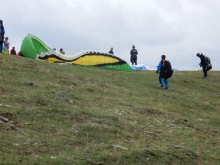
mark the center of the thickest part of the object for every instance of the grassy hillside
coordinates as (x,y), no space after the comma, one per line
(62,114)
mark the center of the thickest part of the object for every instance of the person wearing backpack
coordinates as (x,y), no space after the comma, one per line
(165,70)
(205,63)
(2,33)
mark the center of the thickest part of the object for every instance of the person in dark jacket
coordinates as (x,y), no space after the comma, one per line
(2,33)
(111,51)
(133,54)
(202,63)
(13,52)
(165,70)
(62,51)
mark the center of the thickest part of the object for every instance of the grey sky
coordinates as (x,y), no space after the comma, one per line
(177,28)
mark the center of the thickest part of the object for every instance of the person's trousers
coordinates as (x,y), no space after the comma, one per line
(134,60)
(204,71)
(1,46)
(161,80)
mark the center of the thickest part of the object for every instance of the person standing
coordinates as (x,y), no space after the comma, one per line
(111,51)
(205,63)
(13,52)
(165,70)
(2,33)
(6,44)
(133,54)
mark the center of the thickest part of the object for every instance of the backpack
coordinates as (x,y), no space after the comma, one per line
(166,71)
(168,68)
(208,64)
(167,65)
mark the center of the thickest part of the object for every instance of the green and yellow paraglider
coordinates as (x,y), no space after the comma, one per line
(33,47)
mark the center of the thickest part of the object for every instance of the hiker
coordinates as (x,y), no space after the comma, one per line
(134,54)
(165,70)
(13,52)
(6,44)
(111,51)
(205,63)
(61,51)
(2,33)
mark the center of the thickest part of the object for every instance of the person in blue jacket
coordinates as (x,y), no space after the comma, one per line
(165,70)
(2,33)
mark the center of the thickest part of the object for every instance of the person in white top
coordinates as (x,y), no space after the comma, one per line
(6,44)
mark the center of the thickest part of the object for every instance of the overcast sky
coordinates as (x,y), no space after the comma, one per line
(177,28)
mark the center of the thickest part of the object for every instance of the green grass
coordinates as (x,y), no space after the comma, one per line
(62,114)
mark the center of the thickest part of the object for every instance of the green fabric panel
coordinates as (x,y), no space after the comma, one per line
(31,46)
(5,51)
(124,67)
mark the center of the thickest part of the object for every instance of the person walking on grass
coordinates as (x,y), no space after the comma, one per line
(133,54)
(2,33)
(165,70)
(205,63)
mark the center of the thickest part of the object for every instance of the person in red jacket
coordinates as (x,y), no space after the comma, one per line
(13,52)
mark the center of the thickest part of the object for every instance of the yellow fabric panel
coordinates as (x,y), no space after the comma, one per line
(95,60)
(51,59)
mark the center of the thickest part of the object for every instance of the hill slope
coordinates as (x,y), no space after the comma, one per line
(61,114)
